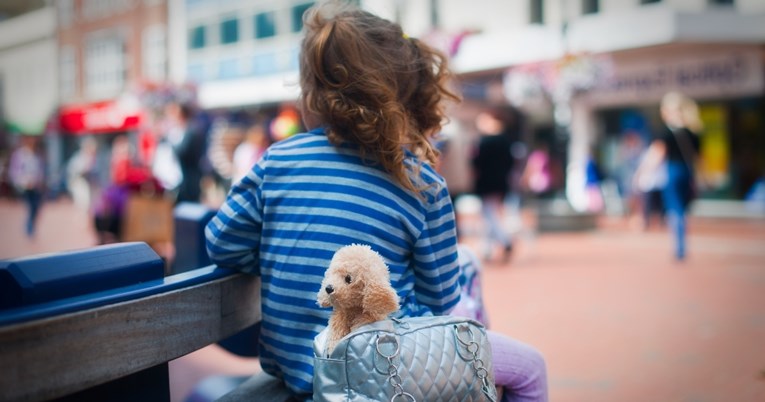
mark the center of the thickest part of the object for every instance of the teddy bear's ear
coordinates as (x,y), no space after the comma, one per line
(379,299)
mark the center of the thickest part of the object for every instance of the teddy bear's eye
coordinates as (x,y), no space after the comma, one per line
(347,279)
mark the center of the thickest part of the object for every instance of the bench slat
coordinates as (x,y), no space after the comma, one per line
(53,357)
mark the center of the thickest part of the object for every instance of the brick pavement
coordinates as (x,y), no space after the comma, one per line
(619,320)
(60,226)
(615,316)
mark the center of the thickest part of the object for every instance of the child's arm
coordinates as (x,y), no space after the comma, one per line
(233,234)
(435,258)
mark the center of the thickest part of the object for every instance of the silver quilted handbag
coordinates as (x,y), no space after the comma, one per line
(441,358)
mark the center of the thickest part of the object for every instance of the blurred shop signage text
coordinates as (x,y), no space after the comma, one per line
(99,117)
(703,75)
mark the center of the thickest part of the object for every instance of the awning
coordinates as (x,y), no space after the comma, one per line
(100,117)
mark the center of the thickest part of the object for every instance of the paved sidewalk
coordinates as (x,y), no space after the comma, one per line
(60,226)
(616,318)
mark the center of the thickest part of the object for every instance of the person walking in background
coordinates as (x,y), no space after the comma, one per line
(128,176)
(27,174)
(492,164)
(363,173)
(593,184)
(188,142)
(678,146)
(649,180)
(249,151)
(631,150)
(83,174)
(538,175)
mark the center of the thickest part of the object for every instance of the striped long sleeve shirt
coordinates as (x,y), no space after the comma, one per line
(301,202)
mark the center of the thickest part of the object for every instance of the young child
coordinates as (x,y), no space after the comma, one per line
(372,99)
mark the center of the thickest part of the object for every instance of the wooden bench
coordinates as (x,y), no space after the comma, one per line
(113,343)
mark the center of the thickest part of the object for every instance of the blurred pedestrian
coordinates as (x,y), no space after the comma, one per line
(593,184)
(128,176)
(27,174)
(188,141)
(454,166)
(538,176)
(755,196)
(650,179)
(678,147)
(249,151)
(630,151)
(492,164)
(83,174)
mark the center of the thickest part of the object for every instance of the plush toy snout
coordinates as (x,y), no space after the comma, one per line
(325,298)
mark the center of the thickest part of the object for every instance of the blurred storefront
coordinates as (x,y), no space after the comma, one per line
(596,77)
(109,54)
(728,81)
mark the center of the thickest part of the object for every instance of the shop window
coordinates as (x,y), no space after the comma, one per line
(99,9)
(197,38)
(228,68)
(229,31)
(536,11)
(265,63)
(67,72)
(65,12)
(297,16)
(105,64)
(590,6)
(294,55)
(196,72)
(154,52)
(265,25)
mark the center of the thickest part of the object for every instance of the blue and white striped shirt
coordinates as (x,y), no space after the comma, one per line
(301,202)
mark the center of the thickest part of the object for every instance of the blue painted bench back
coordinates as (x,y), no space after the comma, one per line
(56,276)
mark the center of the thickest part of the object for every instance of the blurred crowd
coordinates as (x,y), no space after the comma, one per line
(181,154)
(184,154)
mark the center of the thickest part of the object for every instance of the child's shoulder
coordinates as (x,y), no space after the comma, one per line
(304,139)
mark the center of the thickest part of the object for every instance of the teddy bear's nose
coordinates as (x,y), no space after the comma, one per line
(329,289)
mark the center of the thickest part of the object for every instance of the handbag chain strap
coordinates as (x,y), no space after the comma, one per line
(478,364)
(472,347)
(393,377)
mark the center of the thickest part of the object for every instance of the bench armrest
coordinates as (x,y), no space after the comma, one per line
(53,356)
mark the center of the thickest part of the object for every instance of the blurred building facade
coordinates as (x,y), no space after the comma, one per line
(585,71)
(106,46)
(244,52)
(27,65)
(600,66)
(109,53)
(28,90)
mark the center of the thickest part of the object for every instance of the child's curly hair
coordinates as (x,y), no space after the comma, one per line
(368,83)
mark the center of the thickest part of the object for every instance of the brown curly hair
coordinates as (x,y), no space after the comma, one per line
(371,85)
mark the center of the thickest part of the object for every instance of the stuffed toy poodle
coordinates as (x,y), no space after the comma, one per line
(357,287)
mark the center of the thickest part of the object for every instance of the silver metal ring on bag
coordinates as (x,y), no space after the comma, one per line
(407,397)
(395,342)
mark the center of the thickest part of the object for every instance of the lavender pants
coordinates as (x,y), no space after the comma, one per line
(518,368)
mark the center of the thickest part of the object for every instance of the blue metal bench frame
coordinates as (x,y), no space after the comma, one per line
(115,343)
